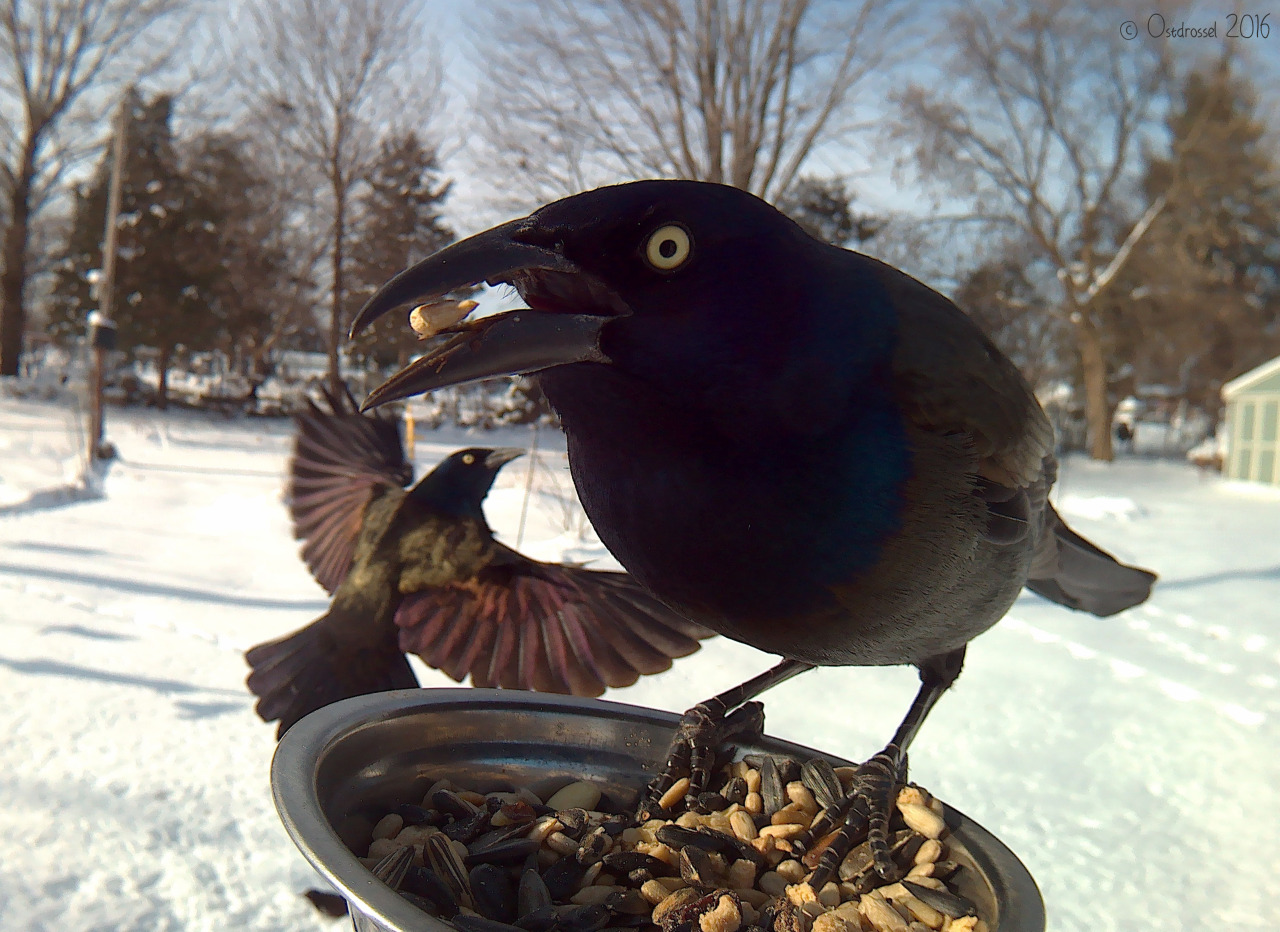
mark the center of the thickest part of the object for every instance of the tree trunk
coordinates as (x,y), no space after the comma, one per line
(335,324)
(1093,368)
(162,368)
(13,281)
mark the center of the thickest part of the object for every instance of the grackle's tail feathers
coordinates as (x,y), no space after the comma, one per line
(1073,572)
(306,670)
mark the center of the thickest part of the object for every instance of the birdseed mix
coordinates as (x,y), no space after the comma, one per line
(513,862)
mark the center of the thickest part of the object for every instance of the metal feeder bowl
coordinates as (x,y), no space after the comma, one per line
(340,769)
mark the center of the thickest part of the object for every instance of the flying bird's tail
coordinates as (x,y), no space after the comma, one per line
(306,670)
(1073,572)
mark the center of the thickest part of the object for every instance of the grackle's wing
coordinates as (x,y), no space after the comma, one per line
(952,379)
(341,460)
(521,624)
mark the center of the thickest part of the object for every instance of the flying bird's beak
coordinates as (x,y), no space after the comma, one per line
(514,343)
(499,458)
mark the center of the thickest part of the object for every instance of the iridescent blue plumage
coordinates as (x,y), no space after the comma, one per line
(793,444)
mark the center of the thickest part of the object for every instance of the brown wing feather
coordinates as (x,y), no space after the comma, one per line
(529,625)
(341,459)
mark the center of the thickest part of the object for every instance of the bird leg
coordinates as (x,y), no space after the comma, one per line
(867,807)
(705,727)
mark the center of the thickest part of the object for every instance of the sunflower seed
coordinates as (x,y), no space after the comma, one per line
(509,851)
(595,845)
(625,862)
(392,868)
(581,869)
(563,876)
(542,919)
(678,837)
(820,777)
(444,860)
(770,786)
(949,904)
(630,903)
(589,918)
(465,830)
(735,791)
(480,924)
(593,895)
(450,802)
(573,820)
(787,918)
(944,870)
(532,894)
(416,815)
(493,892)
(673,902)
(426,883)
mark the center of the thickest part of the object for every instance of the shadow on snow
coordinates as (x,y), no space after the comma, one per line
(158,589)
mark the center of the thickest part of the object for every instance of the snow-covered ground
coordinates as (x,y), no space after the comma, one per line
(1132,763)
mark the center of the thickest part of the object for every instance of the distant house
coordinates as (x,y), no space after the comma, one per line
(1253,424)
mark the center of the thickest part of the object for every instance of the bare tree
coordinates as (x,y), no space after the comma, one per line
(52,53)
(741,92)
(1041,127)
(332,74)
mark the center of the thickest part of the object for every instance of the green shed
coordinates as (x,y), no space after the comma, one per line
(1253,424)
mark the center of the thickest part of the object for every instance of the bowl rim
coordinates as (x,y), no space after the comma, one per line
(296,794)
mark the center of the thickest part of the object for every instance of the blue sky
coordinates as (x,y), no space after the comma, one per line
(870,169)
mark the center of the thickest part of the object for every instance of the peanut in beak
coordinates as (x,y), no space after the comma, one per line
(427,320)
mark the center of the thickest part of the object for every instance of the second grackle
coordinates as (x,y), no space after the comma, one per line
(419,571)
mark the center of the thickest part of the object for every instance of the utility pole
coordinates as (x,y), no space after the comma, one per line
(102,332)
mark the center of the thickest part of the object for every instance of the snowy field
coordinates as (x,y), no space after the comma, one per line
(1132,763)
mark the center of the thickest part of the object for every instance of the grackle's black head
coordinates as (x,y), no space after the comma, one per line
(668,279)
(462,480)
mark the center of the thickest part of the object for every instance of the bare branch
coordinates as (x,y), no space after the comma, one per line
(735,91)
(54,57)
(333,76)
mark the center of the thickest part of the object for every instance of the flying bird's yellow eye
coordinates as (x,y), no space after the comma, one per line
(468,458)
(668,247)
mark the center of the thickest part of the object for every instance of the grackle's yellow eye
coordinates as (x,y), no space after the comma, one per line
(468,458)
(668,247)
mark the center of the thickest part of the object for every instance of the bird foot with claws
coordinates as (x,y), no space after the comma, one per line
(702,732)
(863,813)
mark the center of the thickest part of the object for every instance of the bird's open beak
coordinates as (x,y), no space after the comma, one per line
(513,343)
(499,458)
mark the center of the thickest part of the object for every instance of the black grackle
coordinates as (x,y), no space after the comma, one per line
(796,445)
(418,571)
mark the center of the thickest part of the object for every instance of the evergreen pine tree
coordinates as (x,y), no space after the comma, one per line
(168,260)
(251,295)
(398,223)
(824,208)
(1205,282)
